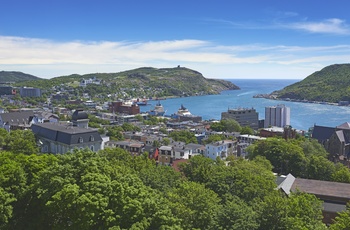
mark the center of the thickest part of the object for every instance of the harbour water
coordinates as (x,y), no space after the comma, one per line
(303,115)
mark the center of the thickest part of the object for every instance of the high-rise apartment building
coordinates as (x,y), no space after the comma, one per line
(30,92)
(277,116)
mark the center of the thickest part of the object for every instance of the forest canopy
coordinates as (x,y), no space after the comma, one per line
(111,189)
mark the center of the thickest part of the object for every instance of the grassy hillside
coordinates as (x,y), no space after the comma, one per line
(331,84)
(12,76)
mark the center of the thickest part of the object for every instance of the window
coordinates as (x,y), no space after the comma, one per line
(80,140)
(92,148)
(92,138)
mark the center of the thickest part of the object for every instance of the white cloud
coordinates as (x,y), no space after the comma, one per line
(46,58)
(329,26)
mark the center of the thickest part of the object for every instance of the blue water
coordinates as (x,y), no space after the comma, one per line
(303,115)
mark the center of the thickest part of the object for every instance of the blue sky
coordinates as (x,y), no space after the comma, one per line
(221,39)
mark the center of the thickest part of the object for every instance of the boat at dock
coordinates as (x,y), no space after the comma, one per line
(158,110)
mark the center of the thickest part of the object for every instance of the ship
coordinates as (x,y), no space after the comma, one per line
(158,110)
(141,102)
(183,114)
(182,111)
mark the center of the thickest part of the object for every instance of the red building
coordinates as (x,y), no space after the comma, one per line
(124,108)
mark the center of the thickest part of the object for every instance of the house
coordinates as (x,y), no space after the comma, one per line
(221,149)
(44,116)
(181,152)
(16,120)
(93,80)
(334,195)
(134,147)
(196,149)
(244,141)
(165,155)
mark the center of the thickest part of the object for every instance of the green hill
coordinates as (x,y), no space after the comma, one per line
(177,81)
(13,76)
(331,84)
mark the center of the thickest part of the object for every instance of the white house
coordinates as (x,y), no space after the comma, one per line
(244,141)
(221,149)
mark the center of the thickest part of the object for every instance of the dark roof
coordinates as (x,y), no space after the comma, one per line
(79,114)
(17,117)
(323,188)
(46,115)
(333,207)
(345,125)
(194,146)
(322,133)
(66,134)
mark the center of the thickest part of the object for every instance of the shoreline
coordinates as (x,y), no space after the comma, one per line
(273,97)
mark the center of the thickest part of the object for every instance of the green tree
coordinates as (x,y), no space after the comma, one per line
(184,136)
(320,168)
(247,130)
(3,137)
(237,215)
(342,221)
(6,209)
(226,125)
(285,156)
(213,138)
(196,205)
(21,141)
(341,174)
(166,141)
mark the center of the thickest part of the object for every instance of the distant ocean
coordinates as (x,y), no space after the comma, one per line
(303,115)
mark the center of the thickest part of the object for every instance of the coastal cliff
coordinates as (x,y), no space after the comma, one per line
(329,85)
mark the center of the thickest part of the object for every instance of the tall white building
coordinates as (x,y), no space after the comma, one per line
(277,116)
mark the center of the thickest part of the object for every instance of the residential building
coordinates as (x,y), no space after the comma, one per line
(196,149)
(244,116)
(16,120)
(94,80)
(221,149)
(278,116)
(44,116)
(134,147)
(244,141)
(165,155)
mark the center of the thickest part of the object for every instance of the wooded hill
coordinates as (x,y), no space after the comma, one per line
(331,84)
(177,81)
(13,76)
